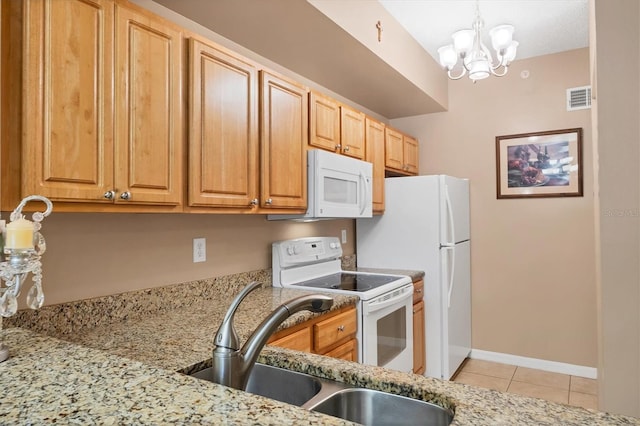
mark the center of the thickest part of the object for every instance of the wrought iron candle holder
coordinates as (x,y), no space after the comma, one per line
(22,257)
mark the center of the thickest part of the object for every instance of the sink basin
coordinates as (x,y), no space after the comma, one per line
(372,407)
(366,406)
(276,383)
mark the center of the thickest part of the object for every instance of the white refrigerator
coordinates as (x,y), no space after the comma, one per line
(425,227)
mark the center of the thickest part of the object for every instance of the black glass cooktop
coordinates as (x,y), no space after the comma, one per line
(349,281)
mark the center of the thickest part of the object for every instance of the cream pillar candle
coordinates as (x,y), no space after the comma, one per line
(19,234)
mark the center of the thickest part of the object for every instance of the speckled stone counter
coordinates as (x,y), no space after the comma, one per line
(50,381)
(124,372)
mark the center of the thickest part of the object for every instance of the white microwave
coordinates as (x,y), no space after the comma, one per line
(338,187)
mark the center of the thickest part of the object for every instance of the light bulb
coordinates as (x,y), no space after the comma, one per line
(463,40)
(448,56)
(501,36)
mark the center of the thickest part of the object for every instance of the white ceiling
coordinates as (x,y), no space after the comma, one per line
(541,26)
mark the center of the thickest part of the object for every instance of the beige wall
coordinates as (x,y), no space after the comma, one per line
(617,82)
(94,254)
(533,284)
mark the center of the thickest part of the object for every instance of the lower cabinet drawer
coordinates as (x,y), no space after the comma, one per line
(299,340)
(330,331)
(347,351)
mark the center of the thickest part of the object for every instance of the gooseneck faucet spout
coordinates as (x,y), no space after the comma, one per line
(232,365)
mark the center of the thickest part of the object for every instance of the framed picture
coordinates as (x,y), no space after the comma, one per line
(540,164)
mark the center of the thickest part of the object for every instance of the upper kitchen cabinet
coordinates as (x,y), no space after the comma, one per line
(283,144)
(401,153)
(148,110)
(335,127)
(374,136)
(102,115)
(223,129)
(68,99)
(324,123)
(352,131)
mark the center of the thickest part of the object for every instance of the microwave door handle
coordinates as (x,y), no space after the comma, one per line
(365,199)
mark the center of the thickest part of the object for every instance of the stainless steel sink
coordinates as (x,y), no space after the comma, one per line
(371,407)
(366,406)
(276,383)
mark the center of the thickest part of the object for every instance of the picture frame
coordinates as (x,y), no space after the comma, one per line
(539,164)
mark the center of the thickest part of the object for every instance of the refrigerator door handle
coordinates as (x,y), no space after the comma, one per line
(452,249)
(450,217)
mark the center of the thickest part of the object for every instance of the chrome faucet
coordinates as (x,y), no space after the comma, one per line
(232,365)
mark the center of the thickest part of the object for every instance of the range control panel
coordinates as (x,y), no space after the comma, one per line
(303,251)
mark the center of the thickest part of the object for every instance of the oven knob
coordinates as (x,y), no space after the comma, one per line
(297,249)
(333,245)
(290,250)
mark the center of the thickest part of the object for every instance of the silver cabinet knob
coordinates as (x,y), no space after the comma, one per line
(254,202)
(109,195)
(125,195)
(269,201)
(346,148)
(338,146)
(341,328)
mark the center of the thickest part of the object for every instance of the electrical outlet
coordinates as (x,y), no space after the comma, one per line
(199,250)
(344,236)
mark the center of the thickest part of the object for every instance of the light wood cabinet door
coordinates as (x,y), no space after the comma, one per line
(401,153)
(149,116)
(419,349)
(418,291)
(324,122)
(394,149)
(283,138)
(298,340)
(374,137)
(410,154)
(68,120)
(223,129)
(352,130)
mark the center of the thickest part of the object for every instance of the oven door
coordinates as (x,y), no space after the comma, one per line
(387,330)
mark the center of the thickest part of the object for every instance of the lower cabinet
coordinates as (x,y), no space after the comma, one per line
(419,348)
(332,334)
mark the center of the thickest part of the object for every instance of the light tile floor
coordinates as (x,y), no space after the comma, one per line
(554,387)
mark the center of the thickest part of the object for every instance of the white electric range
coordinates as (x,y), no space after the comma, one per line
(385,321)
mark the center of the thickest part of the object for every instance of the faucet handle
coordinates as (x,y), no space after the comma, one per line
(226,336)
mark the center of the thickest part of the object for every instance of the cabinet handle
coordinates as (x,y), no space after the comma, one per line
(341,328)
(346,148)
(338,146)
(269,201)
(254,202)
(419,291)
(125,195)
(109,195)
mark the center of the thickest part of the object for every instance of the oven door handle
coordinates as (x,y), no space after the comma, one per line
(376,305)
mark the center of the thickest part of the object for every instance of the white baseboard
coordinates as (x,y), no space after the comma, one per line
(538,364)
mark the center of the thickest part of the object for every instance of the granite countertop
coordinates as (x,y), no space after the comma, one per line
(126,372)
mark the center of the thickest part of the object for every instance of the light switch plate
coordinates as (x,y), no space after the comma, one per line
(199,250)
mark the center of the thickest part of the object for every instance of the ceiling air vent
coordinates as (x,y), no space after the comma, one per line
(578,98)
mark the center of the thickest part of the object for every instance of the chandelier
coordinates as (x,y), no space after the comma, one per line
(469,54)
